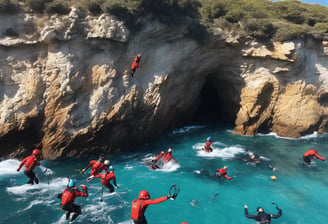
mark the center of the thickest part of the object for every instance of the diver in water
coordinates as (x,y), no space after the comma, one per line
(208,145)
(222,173)
(310,154)
(30,163)
(262,217)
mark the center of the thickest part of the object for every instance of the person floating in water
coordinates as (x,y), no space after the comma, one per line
(308,156)
(107,177)
(135,64)
(67,199)
(263,217)
(222,173)
(169,157)
(140,205)
(30,163)
(154,163)
(96,166)
(208,145)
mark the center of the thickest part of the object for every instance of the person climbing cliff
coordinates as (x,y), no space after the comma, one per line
(135,64)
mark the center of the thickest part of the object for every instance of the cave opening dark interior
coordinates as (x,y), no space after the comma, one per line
(216,103)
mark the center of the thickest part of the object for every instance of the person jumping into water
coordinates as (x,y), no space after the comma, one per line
(30,163)
(263,217)
(96,166)
(168,156)
(67,199)
(135,64)
(310,154)
(222,173)
(140,205)
(107,177)
(154,164)
(208,145)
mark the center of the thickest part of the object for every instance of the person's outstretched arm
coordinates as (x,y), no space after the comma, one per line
(248,215)
(278,215)
(319,157)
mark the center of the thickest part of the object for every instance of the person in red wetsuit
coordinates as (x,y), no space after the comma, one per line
(135,64)
(222,172)
(140,205)
(107,177)
(208,145)
(168,156)
(67,199)
(154,164)
(308,156)
(96,166)
(30,163)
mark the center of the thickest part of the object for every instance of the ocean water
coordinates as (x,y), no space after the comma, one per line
(301,192)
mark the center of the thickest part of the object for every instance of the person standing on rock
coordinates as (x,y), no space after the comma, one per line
(135,64)
(96,166)
(30,163)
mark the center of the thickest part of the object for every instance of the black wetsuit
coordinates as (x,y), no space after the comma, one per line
(262,217)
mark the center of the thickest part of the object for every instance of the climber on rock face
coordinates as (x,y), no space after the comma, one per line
(135,64)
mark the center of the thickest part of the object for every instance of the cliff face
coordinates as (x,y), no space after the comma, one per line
(64,82)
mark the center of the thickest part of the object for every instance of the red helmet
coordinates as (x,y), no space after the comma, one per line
(36,152)
(144,195)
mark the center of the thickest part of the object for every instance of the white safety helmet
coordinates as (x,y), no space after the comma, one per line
(107,162)
(170,150)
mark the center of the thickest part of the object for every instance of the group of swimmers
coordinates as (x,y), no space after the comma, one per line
(140,204)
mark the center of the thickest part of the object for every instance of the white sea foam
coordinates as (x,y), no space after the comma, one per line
(313,135)
(8,167)
(223,153)
(186,129)
(169,167)
(54,185)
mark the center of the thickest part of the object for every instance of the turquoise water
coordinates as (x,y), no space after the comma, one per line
(301,192)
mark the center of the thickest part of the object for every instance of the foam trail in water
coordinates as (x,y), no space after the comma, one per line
(223,153)
(186,129)
(313,135)
(54,185)
(169,167)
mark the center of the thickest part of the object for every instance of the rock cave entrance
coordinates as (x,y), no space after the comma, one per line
(218,101)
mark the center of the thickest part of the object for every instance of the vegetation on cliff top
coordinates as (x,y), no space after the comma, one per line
(262,19)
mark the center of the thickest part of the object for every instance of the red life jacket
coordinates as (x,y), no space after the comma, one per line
(68,196)
(135,209)
(96,168)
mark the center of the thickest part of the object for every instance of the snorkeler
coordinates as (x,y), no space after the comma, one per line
(263,217)
(222,173)
(310,154)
